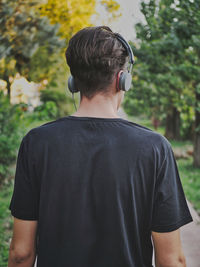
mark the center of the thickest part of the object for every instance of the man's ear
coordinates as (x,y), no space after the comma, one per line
(117,80)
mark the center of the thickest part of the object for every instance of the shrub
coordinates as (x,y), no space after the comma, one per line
(46,111)
(9,134)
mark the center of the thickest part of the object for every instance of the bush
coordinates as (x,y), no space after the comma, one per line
(6,222)
(9,134)
(63,101)
(52,95)
(46,111)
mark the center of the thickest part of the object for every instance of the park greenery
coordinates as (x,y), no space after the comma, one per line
(166,77)
(9,135)
(165,94)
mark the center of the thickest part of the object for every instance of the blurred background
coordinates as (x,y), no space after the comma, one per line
(165,94)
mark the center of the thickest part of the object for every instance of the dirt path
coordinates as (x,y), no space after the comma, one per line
(190,236)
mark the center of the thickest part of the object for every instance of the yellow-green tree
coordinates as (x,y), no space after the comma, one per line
(24,33)
(73,15)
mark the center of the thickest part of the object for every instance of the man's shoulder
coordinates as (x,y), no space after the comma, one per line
(149,144)
(44,130)
(147,135)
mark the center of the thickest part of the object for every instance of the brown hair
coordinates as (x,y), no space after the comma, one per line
(94,56)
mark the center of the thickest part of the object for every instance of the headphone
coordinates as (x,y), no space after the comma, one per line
(124,78)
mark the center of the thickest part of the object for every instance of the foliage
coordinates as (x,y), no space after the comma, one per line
(44,65)
(9,134)
(46,111)
(23,32)
(73,15)
(58,97)
(6,222)
(166,74)
(157,57)
(52,95)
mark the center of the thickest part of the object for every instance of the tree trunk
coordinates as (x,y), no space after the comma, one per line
(6,78)
(196,158)
(172,130)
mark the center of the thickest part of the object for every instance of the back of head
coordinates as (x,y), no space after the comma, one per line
(95,56)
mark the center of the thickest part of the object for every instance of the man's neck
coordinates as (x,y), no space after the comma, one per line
(101,115)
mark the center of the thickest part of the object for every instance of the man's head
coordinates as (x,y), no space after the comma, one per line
(95,57)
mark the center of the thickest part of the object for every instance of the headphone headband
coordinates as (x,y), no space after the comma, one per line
(127,47)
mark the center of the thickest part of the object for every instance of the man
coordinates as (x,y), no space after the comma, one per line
(91,189)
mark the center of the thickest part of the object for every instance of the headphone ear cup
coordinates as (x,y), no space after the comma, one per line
(125,81)
(71,85)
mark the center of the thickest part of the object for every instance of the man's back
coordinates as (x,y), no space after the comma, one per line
(98,187)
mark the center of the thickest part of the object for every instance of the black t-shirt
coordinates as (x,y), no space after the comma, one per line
(97,187)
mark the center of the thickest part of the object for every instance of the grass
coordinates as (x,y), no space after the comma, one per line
(6,222)
(190,178)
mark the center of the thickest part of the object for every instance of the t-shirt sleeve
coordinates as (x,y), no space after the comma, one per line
(24,200)
(170,210)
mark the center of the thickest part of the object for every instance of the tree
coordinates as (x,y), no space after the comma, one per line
(168,62)
(160,52)
(73,15)
(188,30)
(23,32)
